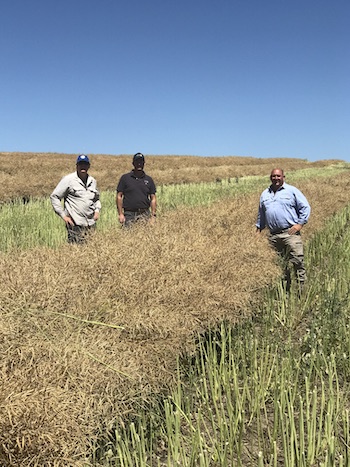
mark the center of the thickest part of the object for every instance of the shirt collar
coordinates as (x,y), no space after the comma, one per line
(280,188)
(134,176)
(88,180)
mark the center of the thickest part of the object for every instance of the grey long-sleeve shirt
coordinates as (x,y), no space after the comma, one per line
(81,200)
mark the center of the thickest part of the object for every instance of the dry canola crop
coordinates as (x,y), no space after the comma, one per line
(86,331)
(28,175)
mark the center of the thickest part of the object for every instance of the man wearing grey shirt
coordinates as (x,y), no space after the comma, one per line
(285,210)
(81,201)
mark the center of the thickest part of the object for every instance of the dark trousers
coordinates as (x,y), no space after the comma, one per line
(79,234)
(135,216)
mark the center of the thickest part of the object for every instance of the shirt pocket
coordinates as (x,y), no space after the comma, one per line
(77,192)
(286,200)
(266,203)
(94,194)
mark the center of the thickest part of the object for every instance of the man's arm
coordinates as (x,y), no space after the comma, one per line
(119,203)
(261,220)
(302,207)
(97,204)
(60,192)
(153,205)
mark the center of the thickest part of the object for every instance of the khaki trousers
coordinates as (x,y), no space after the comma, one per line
(290,249)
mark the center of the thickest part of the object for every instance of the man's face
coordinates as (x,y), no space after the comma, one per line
(82,169)
(139,163)
(277,178)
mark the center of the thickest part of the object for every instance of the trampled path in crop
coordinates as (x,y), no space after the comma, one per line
(68,368)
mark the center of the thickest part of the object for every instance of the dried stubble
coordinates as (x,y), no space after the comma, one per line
(161,284)
(63,378)
(24,175)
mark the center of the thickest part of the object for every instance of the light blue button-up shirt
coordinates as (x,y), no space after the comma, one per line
(281,209)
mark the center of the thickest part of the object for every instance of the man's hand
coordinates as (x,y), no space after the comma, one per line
(294,229)
(121,218)
(68,220)
(96,215)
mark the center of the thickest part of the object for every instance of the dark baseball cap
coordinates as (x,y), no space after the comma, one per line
(83,158)
(138,156)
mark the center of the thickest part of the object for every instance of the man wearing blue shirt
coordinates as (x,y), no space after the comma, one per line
(283,209)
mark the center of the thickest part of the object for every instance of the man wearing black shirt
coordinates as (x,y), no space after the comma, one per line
(136,194)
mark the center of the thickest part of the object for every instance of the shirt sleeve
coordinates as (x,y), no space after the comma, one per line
(121,185)
(97,198)
(261,221)
(152,190)
(302,207)
(60,192)
(98,205)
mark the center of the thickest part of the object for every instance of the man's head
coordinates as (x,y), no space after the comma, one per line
(138,161)
(83,165)
(277,179)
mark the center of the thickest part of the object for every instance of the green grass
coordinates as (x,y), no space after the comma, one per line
(202,194)
(24,226)
(274,390)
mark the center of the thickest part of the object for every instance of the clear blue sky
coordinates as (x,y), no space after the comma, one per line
(262,78)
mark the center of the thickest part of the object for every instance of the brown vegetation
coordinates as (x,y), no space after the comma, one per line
(35,175)
(67,373)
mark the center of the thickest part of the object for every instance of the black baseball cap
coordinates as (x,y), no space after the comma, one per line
(138,156)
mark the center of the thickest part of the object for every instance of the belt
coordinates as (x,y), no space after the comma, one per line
(138,211)
(276,232)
